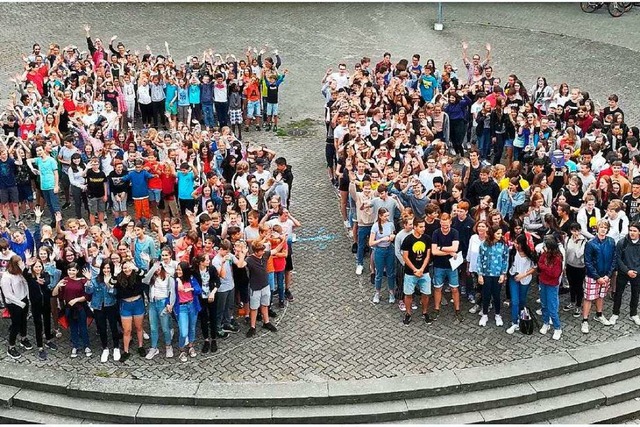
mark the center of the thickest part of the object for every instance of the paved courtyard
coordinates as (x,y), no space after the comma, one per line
(331,330)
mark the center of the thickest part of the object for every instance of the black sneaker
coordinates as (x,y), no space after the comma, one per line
(288,295)
(258,128)
(354,248)
(270,326)
(223,334)
(275,128)
(206,347)
(142,351)
(281,303)
(42,354)
(407,319)
(459,317)
(251,332)
(24,342)
(577,312)
(230,328)
(66,206)
(13,353)
(214,346)
(124,356)
(435,315)
(272,313)
(51,345)
(268,127)
(427,319)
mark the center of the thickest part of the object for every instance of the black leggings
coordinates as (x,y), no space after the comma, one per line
(491,290)
(208,315)
(158,113)
(18,321)
(111,315)
(42,318)
(456,136)
(146,110)
(575,277)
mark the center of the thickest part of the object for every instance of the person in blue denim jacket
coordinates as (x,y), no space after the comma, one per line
(493,261)
(103,303)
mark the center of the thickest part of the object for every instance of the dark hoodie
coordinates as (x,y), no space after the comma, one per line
(627,255)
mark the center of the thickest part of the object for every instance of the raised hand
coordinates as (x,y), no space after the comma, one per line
(113,38)
(87,28)
(465,45)
(86,273)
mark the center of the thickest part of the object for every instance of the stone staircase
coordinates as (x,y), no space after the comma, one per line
(598,384)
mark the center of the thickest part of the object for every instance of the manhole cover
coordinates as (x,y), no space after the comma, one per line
(297,132)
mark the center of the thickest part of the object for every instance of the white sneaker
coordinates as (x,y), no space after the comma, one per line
(145,335)
(545,328)
(512,329)
(74,353)
(116,354)
(499,321)
(613,319)
(539,312)
(169,352)
(376,298)
(474,309)
(483,320)
(346,224)
(585,327)
(392,299)
(602,320)
(152,353)
(557,334)
(87,352)
(538,301)
(636,319)
(414,306)
(104,356)
(359,269)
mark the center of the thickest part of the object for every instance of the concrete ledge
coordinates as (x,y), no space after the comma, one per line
(6,394)
(140,391)
(23,376)
(621,391)
(162,414)
(609,414)
(610,351)
(374,412)
(262,395)
(431,384)
(515,372)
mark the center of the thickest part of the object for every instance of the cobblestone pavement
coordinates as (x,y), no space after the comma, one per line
(332,330)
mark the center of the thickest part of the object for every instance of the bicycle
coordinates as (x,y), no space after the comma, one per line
(615,9)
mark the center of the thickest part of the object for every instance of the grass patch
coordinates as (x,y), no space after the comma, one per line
(301,124)
(103,374)
(281,132)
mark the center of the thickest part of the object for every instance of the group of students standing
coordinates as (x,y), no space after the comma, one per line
(557,210)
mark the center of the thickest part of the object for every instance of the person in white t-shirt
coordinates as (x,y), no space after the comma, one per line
(427,175)
(261,174)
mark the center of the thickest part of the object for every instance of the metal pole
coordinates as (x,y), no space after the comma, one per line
(438,26)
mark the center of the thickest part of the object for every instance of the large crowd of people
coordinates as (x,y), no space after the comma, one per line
(199,228)
(473,183)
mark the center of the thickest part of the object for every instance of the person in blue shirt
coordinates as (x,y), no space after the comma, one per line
(457,109)
(183,102)
(139,179)
(428,84)
(171,100)
(194,98)
(186,178)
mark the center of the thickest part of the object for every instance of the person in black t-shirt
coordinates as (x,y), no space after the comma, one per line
(416,254)
(96,191)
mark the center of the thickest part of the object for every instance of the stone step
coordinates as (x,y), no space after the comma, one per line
(607,414)
(6,394)
(27,416)
(93,409)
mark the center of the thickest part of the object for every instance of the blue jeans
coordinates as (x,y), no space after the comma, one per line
(279,283)
(225,304)
(550,302)
(385,258)
(207,111)
(518,298)
(78,326)
(158,317)
(491,290)
(187,319)
(52,201)
(363,235)
(484,144)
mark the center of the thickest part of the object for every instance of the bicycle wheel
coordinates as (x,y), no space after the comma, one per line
(588,6)
(616,9)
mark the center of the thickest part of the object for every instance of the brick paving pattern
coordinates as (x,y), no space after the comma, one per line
(332,330)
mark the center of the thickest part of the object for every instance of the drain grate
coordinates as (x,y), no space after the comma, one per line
(297,132)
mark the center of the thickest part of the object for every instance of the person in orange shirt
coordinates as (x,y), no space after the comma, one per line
(278,258)
(155,184)
(252,93)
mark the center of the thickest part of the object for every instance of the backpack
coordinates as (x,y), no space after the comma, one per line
(528,322)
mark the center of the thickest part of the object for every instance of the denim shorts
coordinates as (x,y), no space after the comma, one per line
(272,109)
(154,195)
(132,308)
(441,274)
(411,282)
(253,109)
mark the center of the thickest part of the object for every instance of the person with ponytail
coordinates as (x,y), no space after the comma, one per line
(381,241)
